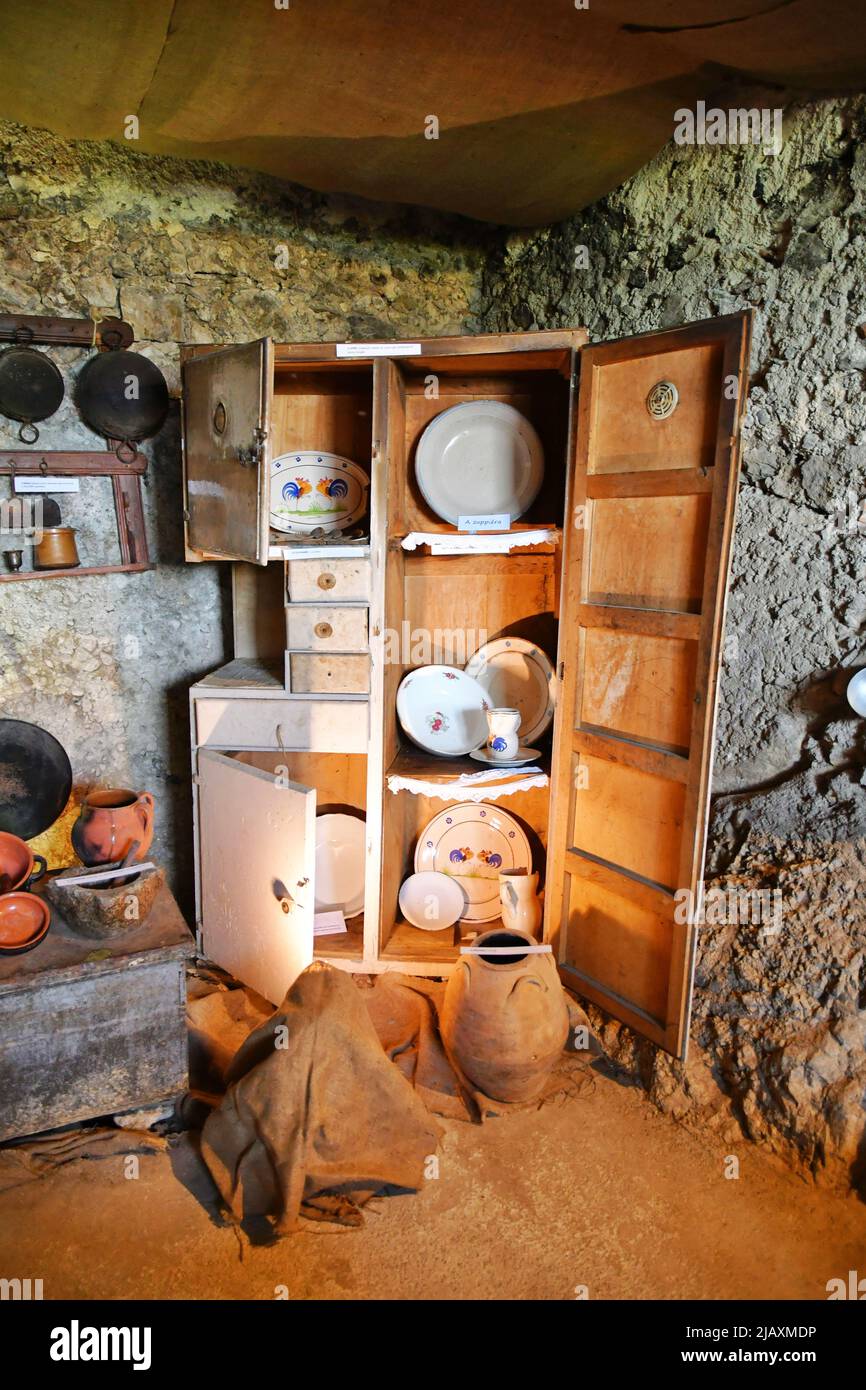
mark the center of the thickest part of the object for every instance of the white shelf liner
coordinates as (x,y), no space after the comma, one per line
(487,785)
(454,543)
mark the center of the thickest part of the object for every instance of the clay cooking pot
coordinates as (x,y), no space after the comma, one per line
(24,921)
(504,1018)
(17,861)
(110,822)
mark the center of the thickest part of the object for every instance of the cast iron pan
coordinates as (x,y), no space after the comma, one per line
(35,778)
(122,395)
(31,388)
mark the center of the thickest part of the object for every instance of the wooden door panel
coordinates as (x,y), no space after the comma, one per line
(644,585)
(638,686)
(629,817)
(227,426)
(623,567)
(630,440)
(258,842)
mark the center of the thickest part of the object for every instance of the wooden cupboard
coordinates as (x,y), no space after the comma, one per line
(618,571)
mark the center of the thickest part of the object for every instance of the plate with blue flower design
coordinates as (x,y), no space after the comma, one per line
(313,491)
(473,842)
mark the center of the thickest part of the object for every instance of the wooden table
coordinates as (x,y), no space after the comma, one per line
(91,1028)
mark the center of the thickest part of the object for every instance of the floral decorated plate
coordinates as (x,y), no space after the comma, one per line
(312,491)
(443,710)
(473,842)
(517,675)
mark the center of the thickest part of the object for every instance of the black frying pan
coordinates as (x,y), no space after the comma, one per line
(31,388)
(35,778)
(122,395)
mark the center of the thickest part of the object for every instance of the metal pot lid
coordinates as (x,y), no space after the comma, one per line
(35,778)
(122,395)
(31,388)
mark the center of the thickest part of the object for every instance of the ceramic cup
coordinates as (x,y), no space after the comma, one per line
(503,738)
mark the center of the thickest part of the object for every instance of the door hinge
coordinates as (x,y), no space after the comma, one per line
(196,780)
(561,671)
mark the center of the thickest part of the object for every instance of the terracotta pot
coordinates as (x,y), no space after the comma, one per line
(17,862)
(110,822)
(504,1018)
(57,549)
(24,922)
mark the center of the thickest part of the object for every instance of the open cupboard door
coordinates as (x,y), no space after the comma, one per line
(227,452)
(647,549)
(257,833)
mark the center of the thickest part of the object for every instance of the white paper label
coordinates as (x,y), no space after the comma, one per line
(497,521)
(378,349)
(39,483)
(328,924)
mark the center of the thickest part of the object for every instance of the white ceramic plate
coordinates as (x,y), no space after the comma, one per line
(523,755)
(341,861)
(432,901)
(311,491)
(517,675)
(471,842)
(478,458)
(443,710)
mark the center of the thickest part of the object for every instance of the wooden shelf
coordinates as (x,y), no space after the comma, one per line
(413,762)
(78,572)
(342,947)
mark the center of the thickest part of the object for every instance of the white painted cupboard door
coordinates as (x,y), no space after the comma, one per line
(257,836)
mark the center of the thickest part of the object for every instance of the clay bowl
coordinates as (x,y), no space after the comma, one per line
(24,922)
(17,860)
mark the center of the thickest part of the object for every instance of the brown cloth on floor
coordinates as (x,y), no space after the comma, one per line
(316,1120)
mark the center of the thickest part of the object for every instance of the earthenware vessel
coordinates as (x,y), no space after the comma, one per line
(503,736)
(17,861)
(518,898)
(24,922)
(504,1019)
(109,822)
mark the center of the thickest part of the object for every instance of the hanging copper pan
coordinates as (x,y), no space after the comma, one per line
(31,388)
(122,395)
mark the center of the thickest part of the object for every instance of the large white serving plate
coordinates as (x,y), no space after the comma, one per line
(477,459)
(316,491)
(517,675)
(443,710)
(472,842)
(341,862)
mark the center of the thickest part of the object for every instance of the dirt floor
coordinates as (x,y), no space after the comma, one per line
(598,1190)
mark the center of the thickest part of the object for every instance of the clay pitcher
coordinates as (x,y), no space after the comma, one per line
(518,898)
(109,822)
(504,1018)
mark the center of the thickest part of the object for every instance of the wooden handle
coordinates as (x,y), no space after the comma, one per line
(327,580)
(323,630)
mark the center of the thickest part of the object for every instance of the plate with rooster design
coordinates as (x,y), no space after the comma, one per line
(312,491)
(473,842)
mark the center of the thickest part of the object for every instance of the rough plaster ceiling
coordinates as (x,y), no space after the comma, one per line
(542,107)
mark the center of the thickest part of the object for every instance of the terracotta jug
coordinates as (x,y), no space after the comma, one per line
(521,910)
(504,1018)
(109,822)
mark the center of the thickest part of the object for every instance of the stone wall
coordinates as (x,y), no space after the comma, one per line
(780,1015)
(187,253)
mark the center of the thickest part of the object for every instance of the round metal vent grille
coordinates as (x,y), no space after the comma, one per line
(662,400)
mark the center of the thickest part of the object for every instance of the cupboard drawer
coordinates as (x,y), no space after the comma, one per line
(312,674)
(310,628)
(311,581)
(315,725)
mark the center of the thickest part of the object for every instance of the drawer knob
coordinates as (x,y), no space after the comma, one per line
(323,630)
(327,580)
